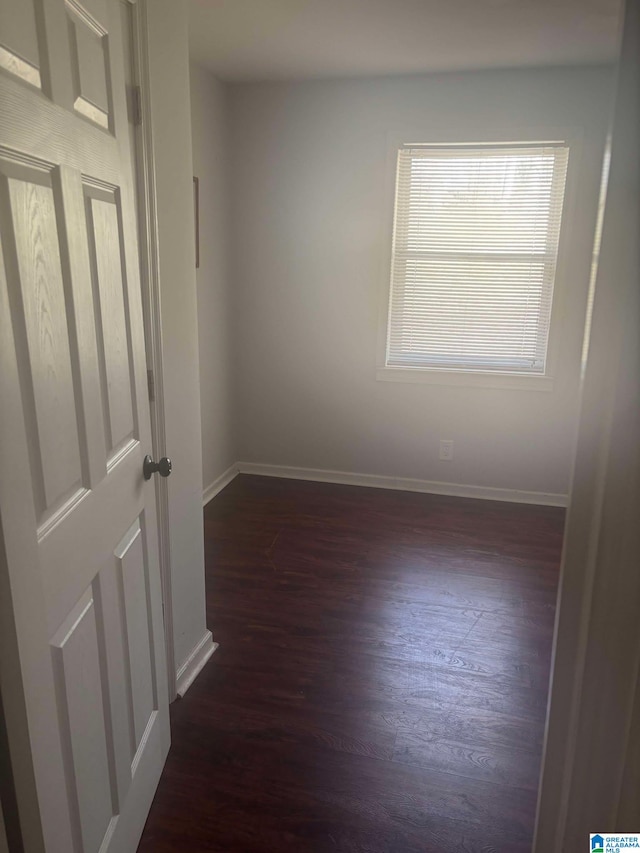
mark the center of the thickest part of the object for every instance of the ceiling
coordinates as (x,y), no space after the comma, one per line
(250,40)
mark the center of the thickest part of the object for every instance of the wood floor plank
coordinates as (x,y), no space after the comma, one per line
(381,681)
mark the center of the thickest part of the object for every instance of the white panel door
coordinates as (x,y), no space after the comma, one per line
(82,654)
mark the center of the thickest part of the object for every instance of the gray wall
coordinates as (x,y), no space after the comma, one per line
(210,163)
(309,226)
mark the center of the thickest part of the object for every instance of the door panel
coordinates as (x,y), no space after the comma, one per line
(77,666)
(88,41)
(19,52)
(68,193)
(133,577)
(30,236)
(79,556)
(105,237)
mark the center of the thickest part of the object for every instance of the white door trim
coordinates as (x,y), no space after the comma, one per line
(150,282)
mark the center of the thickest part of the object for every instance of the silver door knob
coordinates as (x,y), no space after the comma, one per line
(149,467)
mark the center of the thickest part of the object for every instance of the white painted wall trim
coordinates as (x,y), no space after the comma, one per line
(168,123)
(219,483)
(150,270)
(187,673)
(405,484)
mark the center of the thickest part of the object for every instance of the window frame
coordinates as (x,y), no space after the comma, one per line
(458,135)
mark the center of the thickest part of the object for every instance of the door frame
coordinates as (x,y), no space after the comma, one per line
(590,780)
(571,644)
(144,167)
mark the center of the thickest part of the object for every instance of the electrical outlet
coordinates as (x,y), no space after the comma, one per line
(446,449)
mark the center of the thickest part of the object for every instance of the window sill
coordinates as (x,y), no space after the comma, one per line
(465,379)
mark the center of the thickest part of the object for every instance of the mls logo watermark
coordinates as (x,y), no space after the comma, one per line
(613,843)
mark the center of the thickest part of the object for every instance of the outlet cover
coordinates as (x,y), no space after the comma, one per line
(446,449)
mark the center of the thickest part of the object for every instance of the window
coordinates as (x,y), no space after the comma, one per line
(474,256)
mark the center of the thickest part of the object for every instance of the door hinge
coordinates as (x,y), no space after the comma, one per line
(152,385)
(136,102)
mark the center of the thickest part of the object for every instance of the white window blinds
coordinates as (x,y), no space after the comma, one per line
(474,256)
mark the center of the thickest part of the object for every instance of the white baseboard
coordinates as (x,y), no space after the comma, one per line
(219,483)
(405,484)
(185,676)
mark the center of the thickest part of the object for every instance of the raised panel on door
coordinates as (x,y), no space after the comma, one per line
(80,681)
(132,568)
(104,226)
(89,45)
(40,303)
(19,49)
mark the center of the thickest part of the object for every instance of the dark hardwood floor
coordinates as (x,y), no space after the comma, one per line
(381,681)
